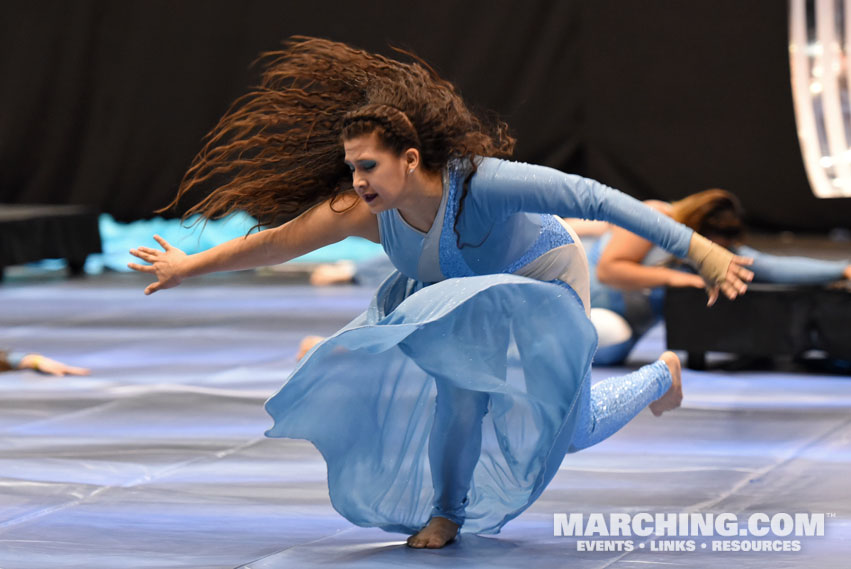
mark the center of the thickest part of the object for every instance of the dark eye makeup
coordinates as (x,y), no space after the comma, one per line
(364,164)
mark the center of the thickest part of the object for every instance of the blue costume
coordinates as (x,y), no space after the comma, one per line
(642,309)
(460,389)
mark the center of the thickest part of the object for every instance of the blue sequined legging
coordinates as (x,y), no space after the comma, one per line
(456,435)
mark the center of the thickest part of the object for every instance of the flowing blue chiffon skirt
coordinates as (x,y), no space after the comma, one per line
(365,397)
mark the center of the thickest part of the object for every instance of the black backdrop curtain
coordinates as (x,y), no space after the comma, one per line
(105,103)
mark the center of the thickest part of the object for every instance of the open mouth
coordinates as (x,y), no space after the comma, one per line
(369,197)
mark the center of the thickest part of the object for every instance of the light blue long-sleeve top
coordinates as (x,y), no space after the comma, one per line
(779,269)
(506,221)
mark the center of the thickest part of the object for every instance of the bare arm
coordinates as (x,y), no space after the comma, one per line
(50,366)
(621,265)
(588,227)
(37,362)
(315,228)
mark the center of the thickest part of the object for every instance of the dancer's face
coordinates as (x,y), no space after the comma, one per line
(379,175)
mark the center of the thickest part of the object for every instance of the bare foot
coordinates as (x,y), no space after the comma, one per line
(674,396)
(306,344)
(436,534)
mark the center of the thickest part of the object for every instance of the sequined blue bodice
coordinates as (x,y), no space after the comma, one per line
(507,221)
(476,246)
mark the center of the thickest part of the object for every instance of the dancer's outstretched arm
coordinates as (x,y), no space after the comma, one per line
(315,228)
(511,187)
(621,265)
(621,262)
(37,362)
(782,269)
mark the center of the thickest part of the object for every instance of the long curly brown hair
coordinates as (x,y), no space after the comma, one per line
(277,151)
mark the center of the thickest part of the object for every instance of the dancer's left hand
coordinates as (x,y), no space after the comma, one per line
(735,281)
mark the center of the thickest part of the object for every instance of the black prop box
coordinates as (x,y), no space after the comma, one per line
(769,320)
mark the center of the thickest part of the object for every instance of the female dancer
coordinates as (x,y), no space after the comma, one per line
(419,386)
(628,285)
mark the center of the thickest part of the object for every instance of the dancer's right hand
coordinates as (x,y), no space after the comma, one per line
(166,265)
